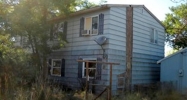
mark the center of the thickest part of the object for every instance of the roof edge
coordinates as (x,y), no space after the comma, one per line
(180,51)
(106,6)
(96,8)
(154,16)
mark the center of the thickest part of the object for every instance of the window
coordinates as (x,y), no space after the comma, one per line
(59,30)
(61,27)
(56,67)
(91,68)
(93,25)
(154,36)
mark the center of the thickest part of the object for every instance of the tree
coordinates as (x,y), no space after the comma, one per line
(29,19)
(85,4)
(176,26)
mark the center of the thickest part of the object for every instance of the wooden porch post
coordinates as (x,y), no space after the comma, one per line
(109,88)
(87,80)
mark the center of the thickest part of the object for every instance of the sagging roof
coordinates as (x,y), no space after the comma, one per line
(106,6)
(180,51)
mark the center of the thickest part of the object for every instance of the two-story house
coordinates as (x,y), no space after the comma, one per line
(118,27)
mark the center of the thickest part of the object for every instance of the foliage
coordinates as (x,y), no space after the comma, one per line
(15,68)
(85,4)
(176,26)
(170,52)
(28,19)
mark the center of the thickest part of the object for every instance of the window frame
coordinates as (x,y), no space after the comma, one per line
(56,30)
(154,36)
(52,64)
(83,67)
(59,26)
(91,24)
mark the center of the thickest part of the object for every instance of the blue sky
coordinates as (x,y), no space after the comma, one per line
(158,7)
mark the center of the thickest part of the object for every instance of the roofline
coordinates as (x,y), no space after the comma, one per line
(106,6)
(97,8)
(180,51)
(154,16)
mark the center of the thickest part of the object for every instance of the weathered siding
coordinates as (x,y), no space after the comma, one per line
(145,53)
(84,47)
(117,41)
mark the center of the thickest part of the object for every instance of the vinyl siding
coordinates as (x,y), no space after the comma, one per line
(145,53)
(117,42)
(84,47)
(170,67)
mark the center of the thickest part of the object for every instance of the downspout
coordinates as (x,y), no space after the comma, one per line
(129,47)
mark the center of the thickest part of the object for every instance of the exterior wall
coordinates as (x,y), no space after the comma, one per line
(117,42)
(145,53)
(170,71)
(84,47)
(184,67)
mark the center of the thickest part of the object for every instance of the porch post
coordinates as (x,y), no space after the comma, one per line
(87,80)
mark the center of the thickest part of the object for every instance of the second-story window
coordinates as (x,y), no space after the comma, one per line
(154,36)
(58,31)
(92,25)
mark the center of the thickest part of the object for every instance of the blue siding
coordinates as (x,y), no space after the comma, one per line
(145,54)
(170,70)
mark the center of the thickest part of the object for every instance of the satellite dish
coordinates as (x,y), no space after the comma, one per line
(101,40)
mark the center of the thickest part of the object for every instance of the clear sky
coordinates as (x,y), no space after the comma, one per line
(158,7)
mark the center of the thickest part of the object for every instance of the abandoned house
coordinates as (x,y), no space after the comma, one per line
(125,34)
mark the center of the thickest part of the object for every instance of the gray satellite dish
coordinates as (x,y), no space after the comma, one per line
(101,40)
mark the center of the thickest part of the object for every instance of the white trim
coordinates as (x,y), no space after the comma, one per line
(83,66)
(51,71)
(90,30)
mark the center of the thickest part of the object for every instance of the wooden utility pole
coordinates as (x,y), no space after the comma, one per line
(129,47)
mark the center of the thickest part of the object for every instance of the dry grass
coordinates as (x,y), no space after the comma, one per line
(42,91)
